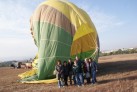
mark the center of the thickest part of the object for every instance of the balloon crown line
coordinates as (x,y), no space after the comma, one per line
(57,0)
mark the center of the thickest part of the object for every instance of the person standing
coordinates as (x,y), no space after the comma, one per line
(75,72)
(65,73)
(59,73)
(87,70)
(70,71)
(79,76)
(93,66)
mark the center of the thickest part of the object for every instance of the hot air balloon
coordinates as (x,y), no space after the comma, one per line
(62,30)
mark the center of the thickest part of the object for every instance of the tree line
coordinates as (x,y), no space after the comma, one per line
(119,51)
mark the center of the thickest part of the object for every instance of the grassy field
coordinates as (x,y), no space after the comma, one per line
(116,74)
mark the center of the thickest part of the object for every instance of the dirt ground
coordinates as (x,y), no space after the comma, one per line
(116,74)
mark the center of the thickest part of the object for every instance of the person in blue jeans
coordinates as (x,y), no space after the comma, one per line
(59,75)
(74,79)
(93,66)
(78,73)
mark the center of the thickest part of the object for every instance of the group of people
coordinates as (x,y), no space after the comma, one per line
(76,71)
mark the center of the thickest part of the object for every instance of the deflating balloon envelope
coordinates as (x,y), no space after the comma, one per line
(61,30)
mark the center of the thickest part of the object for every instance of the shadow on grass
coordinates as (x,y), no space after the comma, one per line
(120,79)
(117,67)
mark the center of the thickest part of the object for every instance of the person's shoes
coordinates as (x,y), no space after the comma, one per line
(78,86)
(88,83)
(96,83)
(59,86)
(92,83)
(82,85)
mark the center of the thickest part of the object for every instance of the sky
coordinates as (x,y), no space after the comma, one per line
(115,21)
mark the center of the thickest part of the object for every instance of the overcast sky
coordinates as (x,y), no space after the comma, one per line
(115,21)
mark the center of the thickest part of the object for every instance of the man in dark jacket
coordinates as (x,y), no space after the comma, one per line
(93,66)
(79,72)
(65,72)
(70,64)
